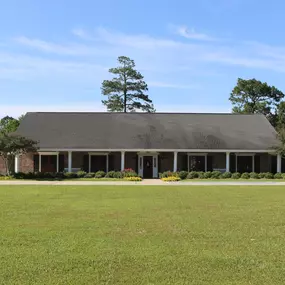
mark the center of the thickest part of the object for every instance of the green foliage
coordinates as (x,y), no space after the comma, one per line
(12,145)
(126,91)
(268,175)
(182,174)
(261,175)
(118,175)
(81,174)
(236,175)
(8,125)
(110,174)
(208,175)
(90,175)
(226,175)
(216,174)
(254,175)
(70,175)
(201,175)
(253,96)
(192,175)
(278,176)
(100,174)
(245,175)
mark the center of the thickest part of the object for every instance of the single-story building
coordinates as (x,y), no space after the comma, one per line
(149,143)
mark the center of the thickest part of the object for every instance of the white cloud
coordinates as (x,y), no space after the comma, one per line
(185,32)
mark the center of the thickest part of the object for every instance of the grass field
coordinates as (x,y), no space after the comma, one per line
(142,235)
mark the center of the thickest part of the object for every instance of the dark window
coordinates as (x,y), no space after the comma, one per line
(196,163)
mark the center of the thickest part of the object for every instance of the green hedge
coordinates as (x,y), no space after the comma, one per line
(218,175)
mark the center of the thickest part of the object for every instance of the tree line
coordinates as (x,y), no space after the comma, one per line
(127,92)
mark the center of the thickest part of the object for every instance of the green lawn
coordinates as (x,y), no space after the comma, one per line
(142,235)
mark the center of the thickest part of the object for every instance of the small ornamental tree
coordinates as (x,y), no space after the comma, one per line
(127,90)
(12,145)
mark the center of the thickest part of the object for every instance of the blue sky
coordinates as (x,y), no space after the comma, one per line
(55,54)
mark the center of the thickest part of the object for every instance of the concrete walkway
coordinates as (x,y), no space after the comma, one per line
(145,182)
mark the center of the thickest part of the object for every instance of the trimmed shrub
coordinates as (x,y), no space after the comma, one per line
(283,175)
(171,179)
(118,175)
(70,175)
(192,175)
(268,175)
(226,175)
(201,175)
(136,179)
(278,176)
(182,174)
(6,177)
(100,174)
(129,173)
(245,175)
(19,175)
(253,175)
(262,175)
(110,174)
(236,175)
(90,175)
(81,174)
(208,175)
(216,174)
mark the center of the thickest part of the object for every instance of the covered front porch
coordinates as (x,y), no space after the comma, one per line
(149,164)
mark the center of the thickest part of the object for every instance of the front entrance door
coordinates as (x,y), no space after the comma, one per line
(244,164)
(48,163)
(98,163)
(147,167)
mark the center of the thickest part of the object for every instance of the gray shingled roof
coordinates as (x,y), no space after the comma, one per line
(148,131)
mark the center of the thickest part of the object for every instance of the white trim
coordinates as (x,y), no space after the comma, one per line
(228,161)
(206,162)
(57,163)
(40,162)
(122,160)
(161,150)
(253,168)
(48,153)
(140,165)
(197,153)
(70,161)
(98,153)
(17,163)
(245,154)
(107,163)
(279,163)
(155,166)
(89,162)
(236,162)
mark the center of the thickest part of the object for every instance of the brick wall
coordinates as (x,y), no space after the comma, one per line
(27,163)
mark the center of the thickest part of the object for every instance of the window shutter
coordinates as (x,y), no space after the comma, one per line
(111,162)
(61,163)
(232,163)
(86,163)
(257,163)
(36,163)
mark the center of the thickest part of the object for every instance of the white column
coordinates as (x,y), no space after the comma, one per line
(253,163)
(107,163)
(122,160)
(57,163)
(175,162)
(228,162)
(40,163)
(206,163)
(70,161)
(17,164)
(236,162)
(278,163)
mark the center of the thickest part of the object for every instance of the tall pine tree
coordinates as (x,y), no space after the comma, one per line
(127,90)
